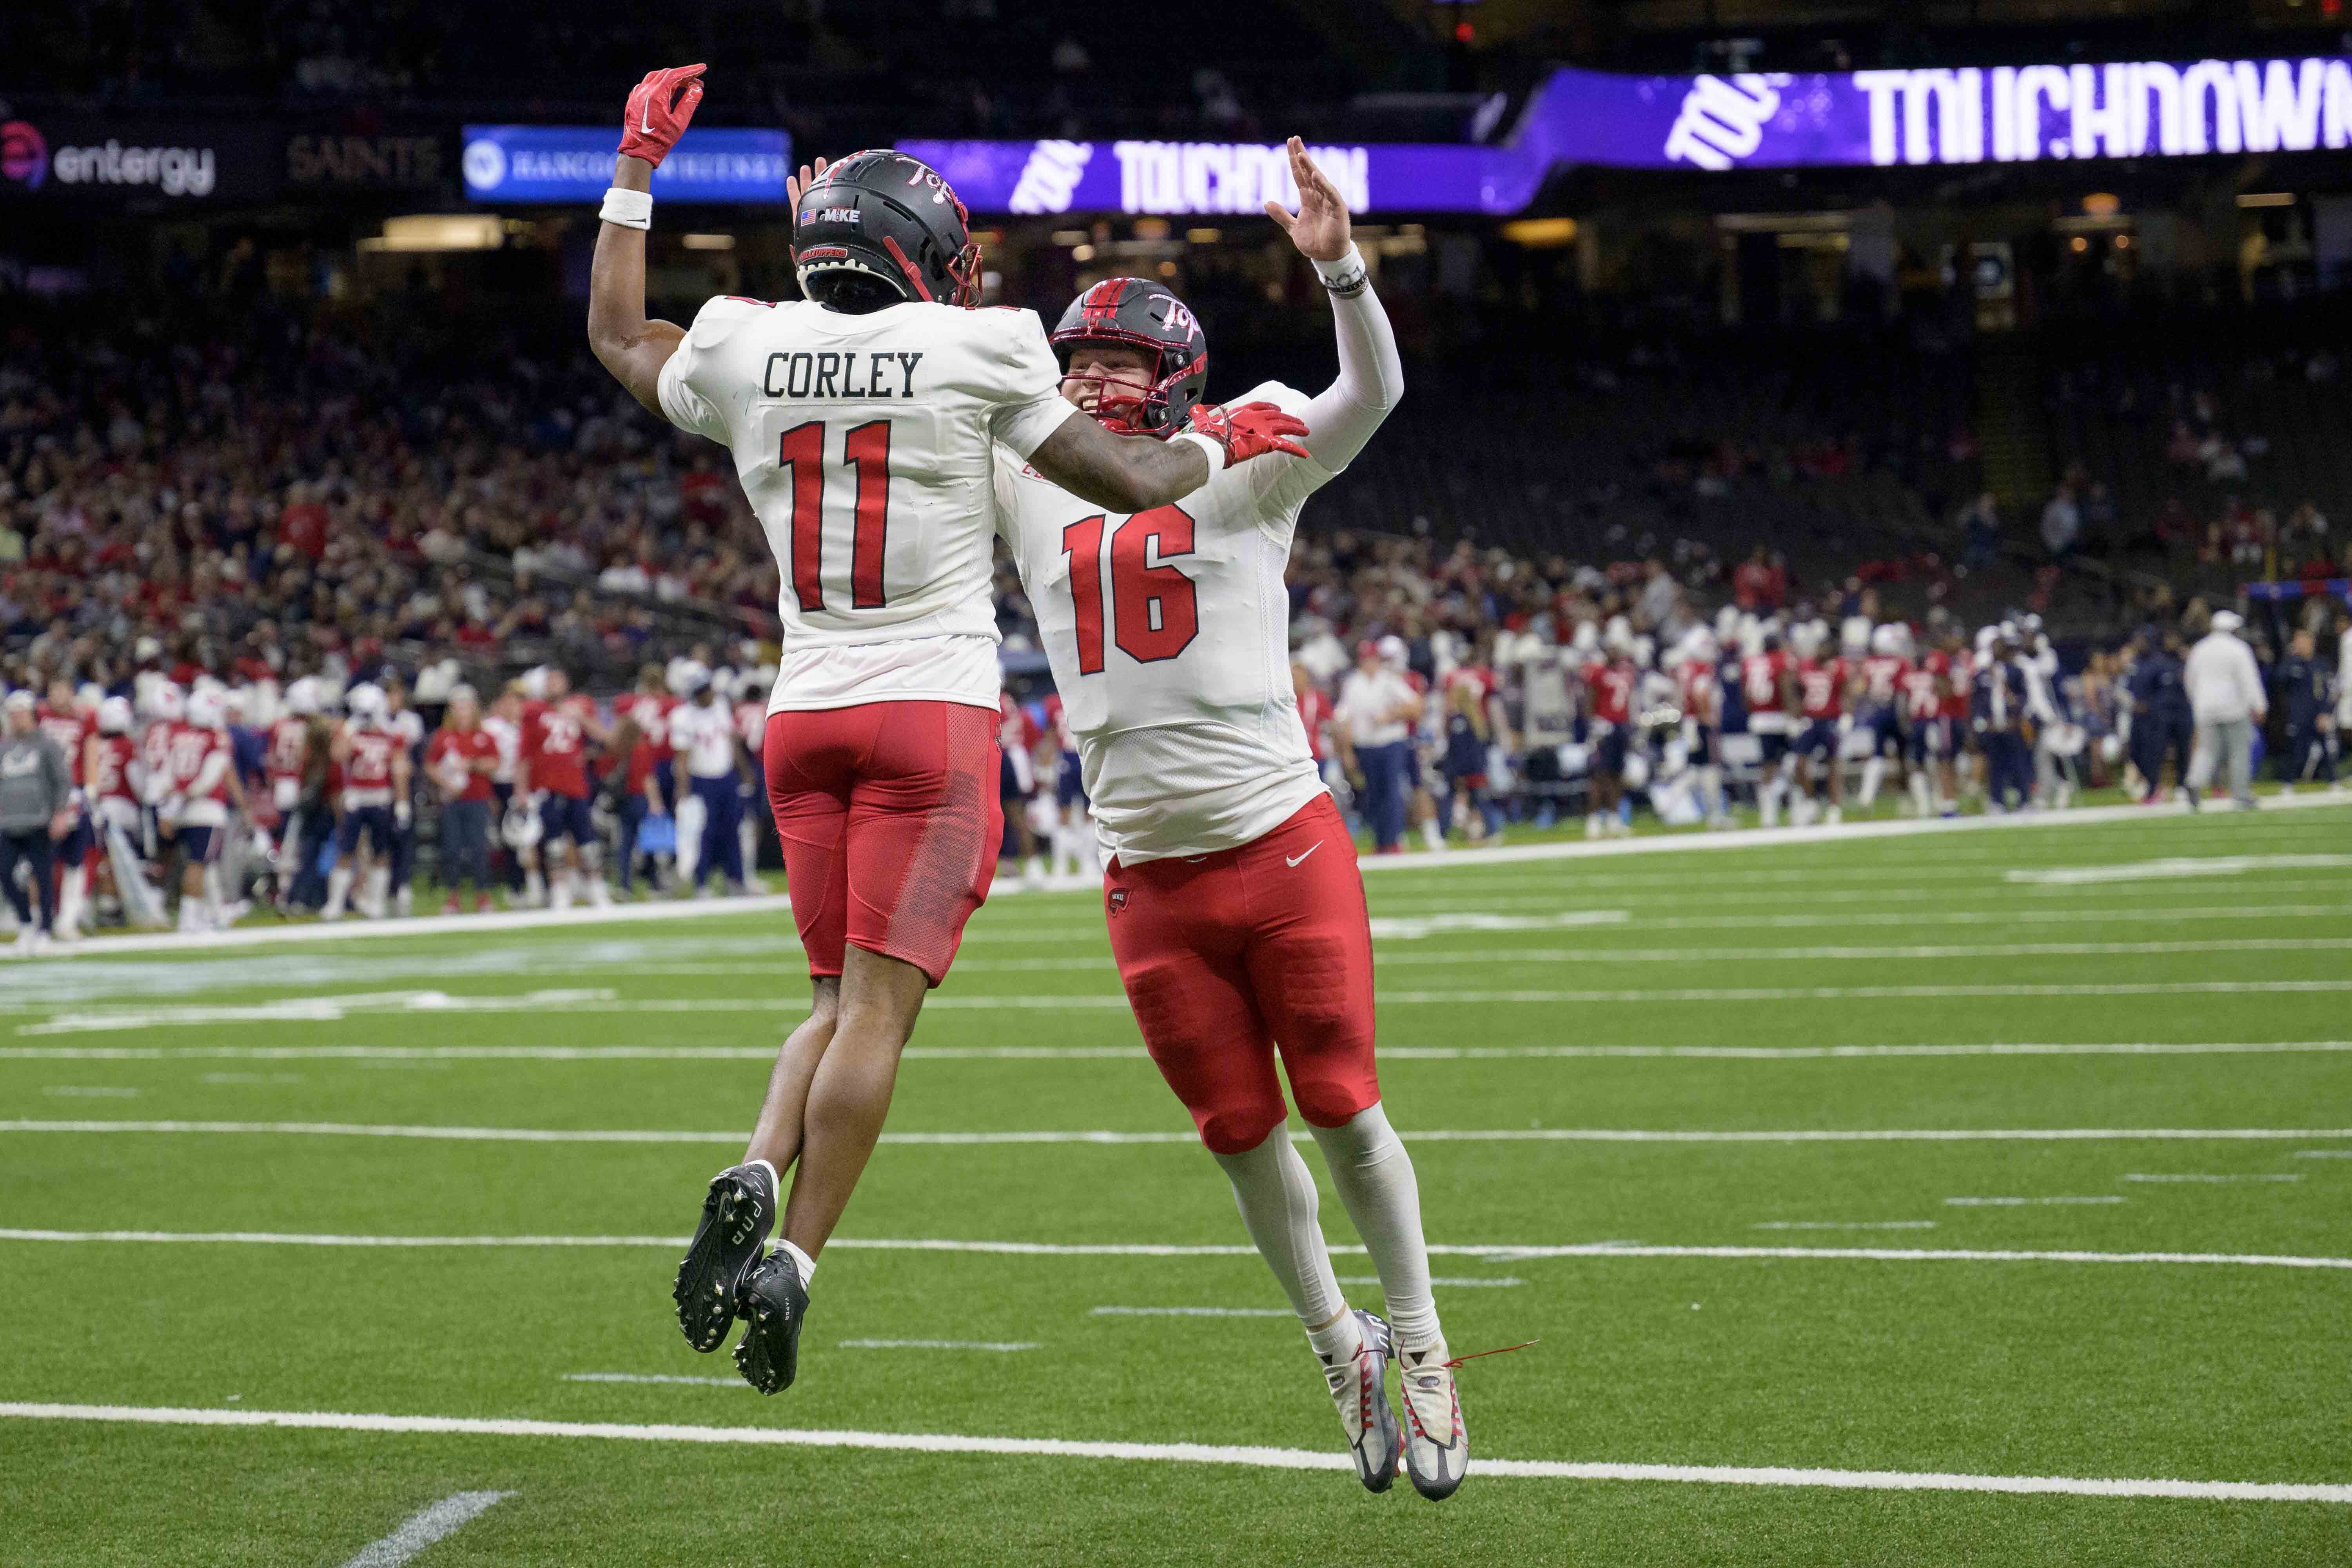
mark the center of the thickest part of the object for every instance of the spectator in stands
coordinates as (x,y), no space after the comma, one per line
(1980,533)
(2062,523)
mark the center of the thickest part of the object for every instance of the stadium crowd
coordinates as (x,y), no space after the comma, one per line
(294,603)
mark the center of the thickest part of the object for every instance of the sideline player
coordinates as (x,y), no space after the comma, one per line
(1821,691)
(376,766)
(553,773)
(1233,901)
(862,420)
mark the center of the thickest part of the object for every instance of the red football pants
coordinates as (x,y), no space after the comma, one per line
(1234,956)
(889,821)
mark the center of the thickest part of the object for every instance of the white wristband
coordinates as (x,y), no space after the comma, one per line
(630,209)
(1216,452)
(1346,277)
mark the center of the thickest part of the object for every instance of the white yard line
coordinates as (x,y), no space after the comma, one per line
(1843,833)
(1843,1224)
(1870,952)
(314,1010)
(2139,1176)
(1084,1136)
(1193,1312)
(1187,1453)
(425,1527)
(2010,1203)
(1498,1252)
(999,1346)
(2173,867)
(428,1054)
(1457,1282)
(654,1378)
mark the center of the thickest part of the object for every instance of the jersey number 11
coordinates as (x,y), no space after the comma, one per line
(866,448)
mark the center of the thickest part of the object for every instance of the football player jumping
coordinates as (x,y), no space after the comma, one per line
(862,420)
(1235,907)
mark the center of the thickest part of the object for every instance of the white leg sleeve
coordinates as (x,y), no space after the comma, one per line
(339,886)
(1276,1193)
(1374,1177)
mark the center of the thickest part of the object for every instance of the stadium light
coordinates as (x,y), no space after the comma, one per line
(707,241)
(439,231)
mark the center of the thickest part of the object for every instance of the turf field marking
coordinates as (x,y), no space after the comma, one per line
(2004,1203)
(1413,928)
(83,1023)
(1843,1224)
(654,1378)
(1494,1252)
(1194,1312)
(1867,952)
(2139,1176)
(369,1054)
(1459,1282)
(78,1091)
(2171,867)
(2324,1153)
(1001,1346)
(425,1527)
(1426,1135)
(1187,1453)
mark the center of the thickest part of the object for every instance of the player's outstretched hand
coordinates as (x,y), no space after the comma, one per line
(661,107)
(1252,430)
(796,185)
(1319,227)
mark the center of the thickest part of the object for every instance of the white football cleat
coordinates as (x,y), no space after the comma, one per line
(1359,1389)
(1436,1444)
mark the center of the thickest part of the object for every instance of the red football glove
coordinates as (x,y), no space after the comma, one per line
(1250,431)
(661,107)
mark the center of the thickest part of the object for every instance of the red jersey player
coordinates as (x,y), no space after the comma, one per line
(1821,686)
(1878,702)
(553,773)
(373,757)
(1608,713)
(1768,691)
(1232,893)
(861,418)
(202,789)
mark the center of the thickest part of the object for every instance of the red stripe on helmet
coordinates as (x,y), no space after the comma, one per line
(907,266)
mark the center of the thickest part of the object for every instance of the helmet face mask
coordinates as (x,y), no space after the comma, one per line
(880,228)
(1136,315)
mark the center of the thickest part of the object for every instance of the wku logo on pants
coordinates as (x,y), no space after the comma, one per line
(1117,900)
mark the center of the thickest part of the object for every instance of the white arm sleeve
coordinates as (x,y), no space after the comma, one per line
(1342,418)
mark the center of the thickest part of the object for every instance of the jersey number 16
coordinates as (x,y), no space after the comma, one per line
(1154,608)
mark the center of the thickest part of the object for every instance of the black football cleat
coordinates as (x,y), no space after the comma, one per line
(776,1301)
(736,1218)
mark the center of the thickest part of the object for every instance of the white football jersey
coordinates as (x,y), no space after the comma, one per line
(864,443)
(706,737)
(1169,634)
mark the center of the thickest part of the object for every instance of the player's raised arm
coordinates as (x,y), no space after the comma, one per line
(1371,377)
(1136,473)
(633,348)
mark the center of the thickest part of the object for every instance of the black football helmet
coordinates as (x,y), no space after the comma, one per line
(1140,315)
(878,227)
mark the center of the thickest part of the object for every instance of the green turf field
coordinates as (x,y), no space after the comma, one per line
(2168,1307)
